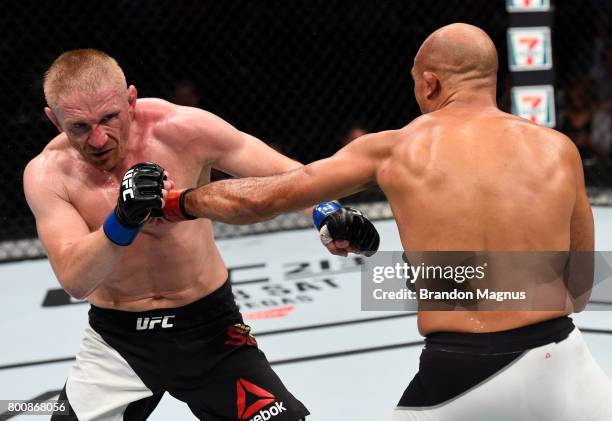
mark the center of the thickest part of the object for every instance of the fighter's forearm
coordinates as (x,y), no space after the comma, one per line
(249,200)
(236,201)
(83,265)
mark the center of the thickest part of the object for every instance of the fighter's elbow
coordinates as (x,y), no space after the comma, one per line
(579,304)
(73,286)
(578,307)
(78,294)
(74,290)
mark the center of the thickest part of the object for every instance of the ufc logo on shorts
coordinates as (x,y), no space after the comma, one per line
(127,184)
(148,323)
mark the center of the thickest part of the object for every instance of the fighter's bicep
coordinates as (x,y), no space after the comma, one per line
(243,155)
(58,223)
(338,176)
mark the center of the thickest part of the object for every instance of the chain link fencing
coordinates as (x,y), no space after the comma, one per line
(304,76)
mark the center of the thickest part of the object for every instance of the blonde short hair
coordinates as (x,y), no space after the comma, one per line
(82,70)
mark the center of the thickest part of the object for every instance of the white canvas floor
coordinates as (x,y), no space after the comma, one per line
(342,363)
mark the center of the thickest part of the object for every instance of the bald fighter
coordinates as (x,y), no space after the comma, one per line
(463,176)
(163,316)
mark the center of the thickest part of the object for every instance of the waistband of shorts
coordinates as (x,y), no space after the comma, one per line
(508,341)
(219,302)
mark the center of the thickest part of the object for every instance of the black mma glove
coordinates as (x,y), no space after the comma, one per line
(336,222)
(140,194)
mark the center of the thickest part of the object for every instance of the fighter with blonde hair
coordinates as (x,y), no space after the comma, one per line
(163,316)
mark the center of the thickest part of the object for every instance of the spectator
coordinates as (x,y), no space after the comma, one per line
(186,93)
(355,130)
(578,120)
(603,76)
(601,131)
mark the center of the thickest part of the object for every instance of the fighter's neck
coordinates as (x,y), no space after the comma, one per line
(133,148)
(478,99)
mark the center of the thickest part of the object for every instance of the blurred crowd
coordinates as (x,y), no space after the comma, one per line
(586,115)
(585,103)
(307,79)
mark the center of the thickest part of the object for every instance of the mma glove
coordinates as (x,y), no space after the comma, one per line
(336,222)
(140,195)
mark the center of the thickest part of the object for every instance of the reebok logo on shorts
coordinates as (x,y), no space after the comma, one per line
(263,398)
(144,323)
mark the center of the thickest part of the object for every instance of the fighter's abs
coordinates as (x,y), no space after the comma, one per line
(160,270)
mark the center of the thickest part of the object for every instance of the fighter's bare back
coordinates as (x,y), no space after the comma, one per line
(474,178)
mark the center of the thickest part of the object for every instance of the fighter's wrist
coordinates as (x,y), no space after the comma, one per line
(117,232)
(322,211)
(174,209)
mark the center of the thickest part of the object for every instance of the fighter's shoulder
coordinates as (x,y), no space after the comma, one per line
(376,145)
(179,122)
(420,126)
(54,158)
(418,129)
(558,146)
(550,136)
(566,148)
(47,170)
(381,145)
(155,113)
(424,121)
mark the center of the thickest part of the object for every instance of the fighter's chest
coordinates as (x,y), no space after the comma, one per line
(95,195)
(94,200)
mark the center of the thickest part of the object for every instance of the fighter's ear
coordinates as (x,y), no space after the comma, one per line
(432,84)
(132,96)
(51,116)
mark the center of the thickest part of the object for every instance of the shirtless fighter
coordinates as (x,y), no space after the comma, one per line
(464,176)
(163,316)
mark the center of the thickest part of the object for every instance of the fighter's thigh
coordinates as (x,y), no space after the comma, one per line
(102,385)
(242,386)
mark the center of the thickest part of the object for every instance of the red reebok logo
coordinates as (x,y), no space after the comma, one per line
(264,398)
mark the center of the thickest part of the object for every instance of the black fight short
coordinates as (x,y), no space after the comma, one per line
(202,354)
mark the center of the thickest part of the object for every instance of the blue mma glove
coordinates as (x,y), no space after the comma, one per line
(336,222)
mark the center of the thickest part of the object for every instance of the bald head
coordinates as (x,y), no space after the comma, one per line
(459,52)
